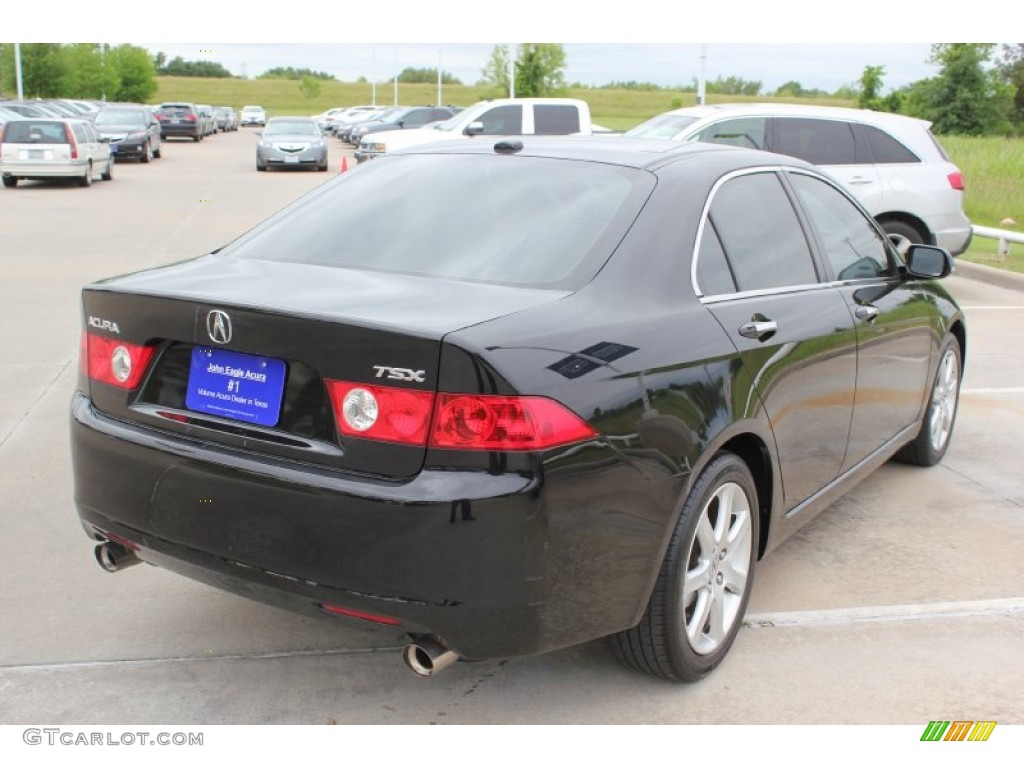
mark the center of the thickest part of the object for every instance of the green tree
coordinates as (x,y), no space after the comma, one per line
(426,75)
(965,98)
(309,87)
(790,89)
(1011,69)
(44,70)
(495,72)
(91,73)
(871,88)
(179,67)
(540,69)
(291,73)
(136,72)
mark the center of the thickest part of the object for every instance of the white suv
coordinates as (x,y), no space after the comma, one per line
(891,163)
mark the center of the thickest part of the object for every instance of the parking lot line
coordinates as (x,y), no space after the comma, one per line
(864,614)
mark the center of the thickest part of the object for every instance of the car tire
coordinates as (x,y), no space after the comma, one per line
(931,443)
(260,167)
(197,138)
(86,180)
(147,153)
(902,235)
(108,175)
(9,181)
(157,151)
(696,608)
(322,167)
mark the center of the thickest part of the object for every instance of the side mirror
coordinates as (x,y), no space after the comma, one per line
(928,262)
(475,128)
(104,139)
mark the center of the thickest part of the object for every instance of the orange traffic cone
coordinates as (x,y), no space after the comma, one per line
(344,164)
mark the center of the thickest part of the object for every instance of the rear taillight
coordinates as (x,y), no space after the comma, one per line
(159,116)
(493,423)
(956,180)
(381,413)
(190,118)
(70,136)
(115,362)
(454,421)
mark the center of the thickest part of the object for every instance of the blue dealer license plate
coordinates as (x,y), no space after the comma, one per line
(236,386)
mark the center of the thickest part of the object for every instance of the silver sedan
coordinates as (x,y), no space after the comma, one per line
(291,142)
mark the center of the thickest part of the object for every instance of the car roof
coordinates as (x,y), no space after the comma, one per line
(795,110)
(646,154)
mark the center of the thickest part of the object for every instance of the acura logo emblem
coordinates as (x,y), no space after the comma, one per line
(218,326)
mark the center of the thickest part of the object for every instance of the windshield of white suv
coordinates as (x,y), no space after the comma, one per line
(661,127)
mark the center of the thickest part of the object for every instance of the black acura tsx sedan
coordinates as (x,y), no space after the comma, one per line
(506,397)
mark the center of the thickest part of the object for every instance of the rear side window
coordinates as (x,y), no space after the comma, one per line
(556,119)
(885,149)
(760,234)
(35,132)
(713,274)
(822,142)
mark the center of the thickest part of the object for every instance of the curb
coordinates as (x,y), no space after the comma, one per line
(1003,278)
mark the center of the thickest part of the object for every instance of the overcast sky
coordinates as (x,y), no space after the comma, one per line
(819,44)
(813,65)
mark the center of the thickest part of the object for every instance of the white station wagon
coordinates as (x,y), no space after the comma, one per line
(38,148)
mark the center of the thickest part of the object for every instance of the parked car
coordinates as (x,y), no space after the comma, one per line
(400,120)
(253,115)
(180,119)
(579,390)
(291,142)
(343,129)
(209,122)
(46,148)
(226,117)
(132,131)
(892,163)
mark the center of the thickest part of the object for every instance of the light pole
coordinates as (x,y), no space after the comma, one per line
(17,71)
(702,83)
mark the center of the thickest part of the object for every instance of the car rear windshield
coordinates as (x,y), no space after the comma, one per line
(35,132)
(176,110)
(526,221)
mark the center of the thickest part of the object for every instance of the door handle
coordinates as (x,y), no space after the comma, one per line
(759,329)
(859,180)
(867,313)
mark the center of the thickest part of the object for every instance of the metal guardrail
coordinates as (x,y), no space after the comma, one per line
(1004,236)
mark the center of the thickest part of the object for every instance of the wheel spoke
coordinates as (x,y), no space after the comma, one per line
(695,626)
(696,579)
(705,535)
(717,625)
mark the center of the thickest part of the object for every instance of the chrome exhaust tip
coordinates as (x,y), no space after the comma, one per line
(113,557)
(426,656)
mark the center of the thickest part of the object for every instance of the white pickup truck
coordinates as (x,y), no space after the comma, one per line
(499,117)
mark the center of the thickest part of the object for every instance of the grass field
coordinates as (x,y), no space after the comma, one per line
(993,167)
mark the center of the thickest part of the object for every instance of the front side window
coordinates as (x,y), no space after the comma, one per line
(853,247)
(760,234)
(503,121)
(747,132)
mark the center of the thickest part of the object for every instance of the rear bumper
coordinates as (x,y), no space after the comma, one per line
(30,170)
(495,564)
(174,131)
